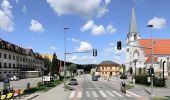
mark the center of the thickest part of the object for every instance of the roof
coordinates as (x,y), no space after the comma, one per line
(160,46)
(108,62)
(149,60)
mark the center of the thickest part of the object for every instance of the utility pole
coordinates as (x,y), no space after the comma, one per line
(163,75)
(65,30)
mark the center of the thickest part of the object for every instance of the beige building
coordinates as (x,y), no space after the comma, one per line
(108,68)
(18,61)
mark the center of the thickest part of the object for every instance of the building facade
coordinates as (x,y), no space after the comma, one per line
(140,56)
(108,68)
(18,61)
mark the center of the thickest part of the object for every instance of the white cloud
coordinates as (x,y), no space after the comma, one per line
(102,11)
(36,26)
(112,44)
(157,22)
(53,48)
(83,8)
(24,9)
(97,29)
(6,17)
(75,40)
(84,46)
(111,29)
(89,25)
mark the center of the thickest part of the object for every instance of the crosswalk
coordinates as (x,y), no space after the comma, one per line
(100,93)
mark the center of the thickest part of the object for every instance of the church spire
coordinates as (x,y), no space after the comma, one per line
(133,24)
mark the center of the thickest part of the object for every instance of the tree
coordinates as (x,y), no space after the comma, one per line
(54,65)
(124,68)
(47,64)
(73,69)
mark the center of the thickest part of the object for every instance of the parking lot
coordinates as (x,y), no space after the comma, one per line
(22,84)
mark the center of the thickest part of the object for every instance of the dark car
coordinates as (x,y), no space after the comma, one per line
(123,76)
(73,82)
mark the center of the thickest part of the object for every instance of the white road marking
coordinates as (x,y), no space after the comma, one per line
(118,94)
(79,95)
(94,94)
(133,94)
(110,94)
(102,93)
(88,94)
(72,94)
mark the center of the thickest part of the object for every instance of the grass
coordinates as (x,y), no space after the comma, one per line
(129,86)
(160,99)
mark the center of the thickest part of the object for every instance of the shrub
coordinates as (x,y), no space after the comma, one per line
(61,78)
(39,84)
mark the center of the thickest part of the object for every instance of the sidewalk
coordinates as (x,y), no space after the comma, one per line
(56,93)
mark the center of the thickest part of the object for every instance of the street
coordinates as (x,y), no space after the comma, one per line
(99,90)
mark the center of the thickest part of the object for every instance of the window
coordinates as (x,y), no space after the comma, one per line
(9,72)
(9,65)
(5,65)
(17,58)
(4,72)
(13,57)
(0,55)
(13,65)
(0,65)
(9,56)
(20,58)
(4,56)
(23,59)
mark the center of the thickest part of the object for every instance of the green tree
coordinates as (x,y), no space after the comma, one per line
(47,64)
(124,68)
(73,69)
(54,65)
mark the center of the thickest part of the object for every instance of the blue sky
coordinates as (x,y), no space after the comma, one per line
(39,24)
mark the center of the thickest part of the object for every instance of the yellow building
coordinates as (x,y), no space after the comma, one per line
(108,68)
(49,56)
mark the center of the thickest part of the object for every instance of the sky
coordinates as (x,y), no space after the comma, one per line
(93,24)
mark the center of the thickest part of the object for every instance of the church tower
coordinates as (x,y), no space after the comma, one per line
(132,39)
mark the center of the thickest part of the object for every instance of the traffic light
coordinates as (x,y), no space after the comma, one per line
(119,45)
(150,71)
(94,52)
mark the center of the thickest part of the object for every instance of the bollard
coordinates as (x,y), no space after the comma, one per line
(28,85)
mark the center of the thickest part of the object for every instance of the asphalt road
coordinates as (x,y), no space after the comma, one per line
(99,90)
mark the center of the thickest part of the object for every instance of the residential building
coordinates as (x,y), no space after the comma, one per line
(139,53)
(108,68)
(18,61)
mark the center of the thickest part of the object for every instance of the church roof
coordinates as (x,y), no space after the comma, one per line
(133,24)
(160,46)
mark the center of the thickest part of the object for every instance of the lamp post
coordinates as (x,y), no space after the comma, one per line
(135,60)
(65,30)
(151,26)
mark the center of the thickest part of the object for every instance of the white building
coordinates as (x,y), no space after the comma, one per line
(18,61)
(135,51)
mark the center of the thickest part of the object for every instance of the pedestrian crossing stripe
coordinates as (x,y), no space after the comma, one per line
(102,93)
(94,94)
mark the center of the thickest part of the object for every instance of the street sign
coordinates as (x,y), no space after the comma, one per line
(46,78)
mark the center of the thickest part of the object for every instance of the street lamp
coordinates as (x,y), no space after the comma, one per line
(65,30)
(151,26)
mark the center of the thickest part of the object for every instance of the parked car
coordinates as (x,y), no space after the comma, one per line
(14,78)
(73,81)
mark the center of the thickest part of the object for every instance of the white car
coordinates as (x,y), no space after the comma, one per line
(14,78)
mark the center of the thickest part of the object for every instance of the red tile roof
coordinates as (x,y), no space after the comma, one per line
(160,46)
(148,60)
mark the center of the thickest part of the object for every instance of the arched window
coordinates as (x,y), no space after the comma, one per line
(136,54)
(12,47)
(19,50)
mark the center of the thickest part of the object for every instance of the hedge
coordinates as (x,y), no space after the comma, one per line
(142,79)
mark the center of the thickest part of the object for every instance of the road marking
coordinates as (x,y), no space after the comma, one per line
(102,93)
(79,95)
(72,94)
(118,94)
(133,94)
(88,94)
(94,94)
(110,94)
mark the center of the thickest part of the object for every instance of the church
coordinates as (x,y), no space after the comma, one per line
(142,53)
